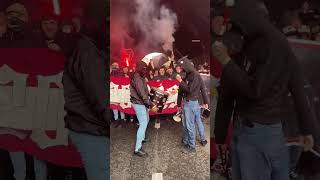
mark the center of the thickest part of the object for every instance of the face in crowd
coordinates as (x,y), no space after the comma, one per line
(305,6)
(156,73)
(125,70)
(67,28)
(50,28)
(17,17)
(218,26)
(162,71)
(178,69)
(170,71)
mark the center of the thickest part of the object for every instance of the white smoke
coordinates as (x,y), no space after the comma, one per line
(156,22)
(153,25)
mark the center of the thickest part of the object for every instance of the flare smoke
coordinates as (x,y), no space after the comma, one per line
(144,25)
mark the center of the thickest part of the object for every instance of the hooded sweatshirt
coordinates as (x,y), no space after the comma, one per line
(256,90)
(193,86)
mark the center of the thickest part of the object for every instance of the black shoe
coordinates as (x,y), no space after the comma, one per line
(146,140)
(293,175)
(204,143)
(140,153)
(183,144)
(188,150)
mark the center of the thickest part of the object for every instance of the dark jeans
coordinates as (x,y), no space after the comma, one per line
(259,152)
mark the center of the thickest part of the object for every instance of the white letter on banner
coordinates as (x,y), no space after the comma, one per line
(49,114)
(14,107)
(114,93)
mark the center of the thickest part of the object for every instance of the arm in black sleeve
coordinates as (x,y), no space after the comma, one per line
(225,108)
(139,86)
(180,95)
(306,118)
(204,91)
(267,72)
(94,80)
(192,86)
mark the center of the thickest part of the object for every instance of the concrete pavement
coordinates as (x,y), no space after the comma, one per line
(164,151)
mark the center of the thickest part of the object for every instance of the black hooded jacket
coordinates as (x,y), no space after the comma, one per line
(257,89)
(86,90)
(193,86)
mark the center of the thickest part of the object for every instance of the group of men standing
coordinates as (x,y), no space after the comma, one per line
(191,87)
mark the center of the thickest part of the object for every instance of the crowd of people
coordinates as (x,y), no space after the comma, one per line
(303,23)
(172,72)
(162,73)
(18,30)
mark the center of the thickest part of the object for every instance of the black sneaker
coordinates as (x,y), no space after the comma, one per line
(140,153)
(293,175)
(183,144)
(204,143)
(146,140)
(188,150)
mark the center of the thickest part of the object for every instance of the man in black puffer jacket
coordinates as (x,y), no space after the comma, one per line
(86,100)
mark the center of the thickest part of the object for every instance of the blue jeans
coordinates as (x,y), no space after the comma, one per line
(143,118)
(19,165)
(185,139)
(192,115)
(259,153)
(95,154)
(116,114)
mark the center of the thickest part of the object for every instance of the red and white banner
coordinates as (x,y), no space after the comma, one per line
(31,105)
(120,94)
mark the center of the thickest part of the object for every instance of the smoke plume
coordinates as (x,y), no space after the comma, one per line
(144,25)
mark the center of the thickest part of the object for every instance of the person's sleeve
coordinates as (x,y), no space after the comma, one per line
(139,87)
(204,92)
(305,115)
(179,99)
(224,112)
(94,80)
(266,73)
(190,87)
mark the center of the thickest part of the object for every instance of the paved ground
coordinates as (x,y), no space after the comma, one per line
(164,154)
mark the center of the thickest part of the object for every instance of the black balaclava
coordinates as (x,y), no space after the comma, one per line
(142,69)
(186,65)
(243,28)
(16,25)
